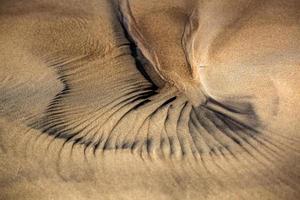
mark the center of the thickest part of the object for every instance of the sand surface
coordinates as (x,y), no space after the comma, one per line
(173,99)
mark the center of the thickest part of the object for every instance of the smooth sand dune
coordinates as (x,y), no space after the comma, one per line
(156,99)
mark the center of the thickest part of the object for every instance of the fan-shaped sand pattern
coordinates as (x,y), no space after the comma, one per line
(149,100)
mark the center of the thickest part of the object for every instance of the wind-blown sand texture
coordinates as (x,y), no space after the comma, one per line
(149,99)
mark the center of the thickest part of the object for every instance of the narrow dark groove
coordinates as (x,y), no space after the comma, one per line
(135,52)
(170,139)
(124,102)
(133,146)
(210,117)
(201,120)
(125,145)
(119,120)
(235,133)
(245,134)
(106,143)
(195,124)
(247,110)
(182,147)
(148,143)
(233,122)
(223,129)
(56,130)
(66,90)
(195,137)
(141,104)
(110,103)
(166,103)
